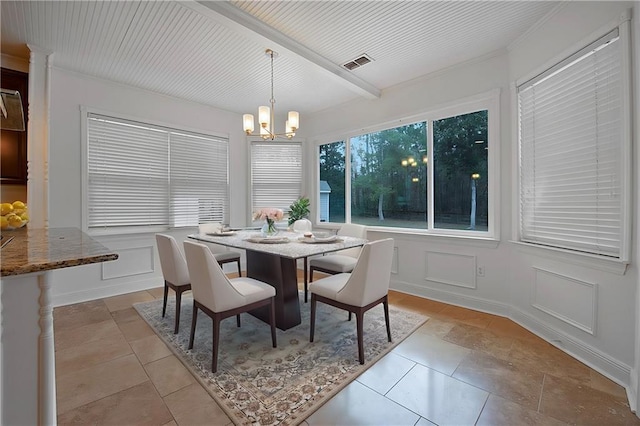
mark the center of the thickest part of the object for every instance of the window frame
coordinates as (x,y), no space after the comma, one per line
(489,101)
(617,265)
(85,112)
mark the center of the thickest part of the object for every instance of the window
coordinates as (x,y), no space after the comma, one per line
(431,175)
(147,176)
(574,151)
(332,182)
(276,174)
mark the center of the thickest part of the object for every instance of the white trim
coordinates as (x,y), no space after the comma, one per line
(609,367)
(585,260)
(627,139)
(423,236)
(85,111)
(143,120)
(617,266)
(489,101)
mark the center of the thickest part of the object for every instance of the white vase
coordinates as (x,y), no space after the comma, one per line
(302,225)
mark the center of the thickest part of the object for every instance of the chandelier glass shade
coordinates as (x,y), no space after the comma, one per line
(266,115)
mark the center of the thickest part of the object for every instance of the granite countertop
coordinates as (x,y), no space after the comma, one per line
(36,250)
(292,248)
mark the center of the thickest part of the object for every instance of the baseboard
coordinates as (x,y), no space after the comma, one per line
(594,358)
(107,291)
(632,391)
(471,302)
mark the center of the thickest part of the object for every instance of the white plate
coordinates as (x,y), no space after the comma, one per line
(221,233)
(325,239)
(268,240)
(313,240)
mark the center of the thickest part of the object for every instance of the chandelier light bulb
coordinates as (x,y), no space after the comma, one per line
(264,117)
(247,119)
(294,120)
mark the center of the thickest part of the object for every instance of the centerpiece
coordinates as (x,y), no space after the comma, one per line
(271,216)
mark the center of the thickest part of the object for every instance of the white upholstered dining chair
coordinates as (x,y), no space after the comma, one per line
(174,271)
(220,297)
(342,261)
(362,289)
(222,254)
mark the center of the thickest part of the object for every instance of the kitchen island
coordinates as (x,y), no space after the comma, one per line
(27,259)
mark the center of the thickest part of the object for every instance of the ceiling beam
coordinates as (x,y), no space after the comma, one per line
(235,18)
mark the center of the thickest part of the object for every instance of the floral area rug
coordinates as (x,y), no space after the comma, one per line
(261,385)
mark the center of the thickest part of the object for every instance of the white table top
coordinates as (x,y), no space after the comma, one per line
(293,249)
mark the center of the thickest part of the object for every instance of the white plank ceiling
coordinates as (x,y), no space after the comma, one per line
(213,52)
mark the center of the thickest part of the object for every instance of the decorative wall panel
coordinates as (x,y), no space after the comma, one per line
(451,268)
(569,299)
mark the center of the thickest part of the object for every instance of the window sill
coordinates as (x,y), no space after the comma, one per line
(611,265)
(418,235)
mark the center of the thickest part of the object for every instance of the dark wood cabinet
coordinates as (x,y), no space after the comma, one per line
(13,144)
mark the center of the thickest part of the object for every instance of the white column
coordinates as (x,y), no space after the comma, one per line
(38,137)
(46,355)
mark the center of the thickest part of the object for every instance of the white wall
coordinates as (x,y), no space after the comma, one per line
(573,303)
(599,300)
(138,266)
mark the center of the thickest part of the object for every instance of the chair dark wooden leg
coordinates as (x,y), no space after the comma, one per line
(178,305)
(311,274)
(194,319)
(272,314)
(359,320)
(238,320)
(305,280)
(216,339)
(349,315)
(312,326)
(386,316)
(239,270)
(164,302)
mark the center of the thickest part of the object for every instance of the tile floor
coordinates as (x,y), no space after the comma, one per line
(462,367)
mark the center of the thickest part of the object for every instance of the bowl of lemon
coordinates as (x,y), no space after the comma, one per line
(13,215)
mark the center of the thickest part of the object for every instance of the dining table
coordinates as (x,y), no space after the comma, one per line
(274,260)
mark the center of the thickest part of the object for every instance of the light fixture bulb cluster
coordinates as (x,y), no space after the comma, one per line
(266,115)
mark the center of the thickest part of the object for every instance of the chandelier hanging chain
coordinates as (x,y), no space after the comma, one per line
(272,100)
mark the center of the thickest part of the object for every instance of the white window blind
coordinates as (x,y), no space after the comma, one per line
(142,175)
(198,179)
(570,130)
(276,174)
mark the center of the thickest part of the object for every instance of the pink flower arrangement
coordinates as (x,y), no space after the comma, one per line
(268,214)
(271,215)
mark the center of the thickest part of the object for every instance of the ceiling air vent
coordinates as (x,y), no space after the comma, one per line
(358,62)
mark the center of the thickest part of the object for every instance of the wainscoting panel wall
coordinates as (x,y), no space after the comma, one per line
(131,261)
(394,262)
(568,299)
(451,268)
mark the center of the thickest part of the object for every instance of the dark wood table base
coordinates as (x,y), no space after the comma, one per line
(281,273)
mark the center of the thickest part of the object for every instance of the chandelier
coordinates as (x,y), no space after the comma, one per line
(266,114)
